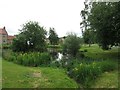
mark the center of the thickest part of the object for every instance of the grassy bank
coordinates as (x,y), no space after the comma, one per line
(16,76)
(96,52)
(107,80)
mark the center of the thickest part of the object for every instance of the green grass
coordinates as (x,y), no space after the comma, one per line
(107,80)
(16,76)
(96,52)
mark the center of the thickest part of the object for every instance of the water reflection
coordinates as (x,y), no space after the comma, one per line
(56,55)
(59,56)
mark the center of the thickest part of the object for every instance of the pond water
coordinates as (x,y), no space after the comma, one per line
(59,56)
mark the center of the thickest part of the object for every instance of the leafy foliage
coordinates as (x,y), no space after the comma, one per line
(53,37)
(30,59)
(85,72)
(71,45)
(89,36)
(104,19)
(31,38)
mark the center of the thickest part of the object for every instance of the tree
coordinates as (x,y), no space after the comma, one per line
(89,36)
(84,14)
(71,45)
(31,38)
(53,37)
(104,19)
(19,43)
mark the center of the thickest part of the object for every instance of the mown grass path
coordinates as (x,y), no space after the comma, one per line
(16,76)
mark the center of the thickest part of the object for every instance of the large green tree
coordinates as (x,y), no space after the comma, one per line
(53,37)
(31,38)
(104,18)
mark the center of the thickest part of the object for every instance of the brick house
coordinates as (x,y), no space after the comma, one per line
(10,39)
(4,37)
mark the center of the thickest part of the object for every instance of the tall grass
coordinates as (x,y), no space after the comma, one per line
(29,59)
(84,72)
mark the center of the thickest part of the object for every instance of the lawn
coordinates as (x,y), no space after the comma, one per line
(107,79)
(16,76)
(96,52)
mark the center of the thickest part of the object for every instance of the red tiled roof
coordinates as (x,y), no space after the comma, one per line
(11,37)
(3,31)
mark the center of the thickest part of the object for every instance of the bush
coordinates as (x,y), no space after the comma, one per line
(71,45)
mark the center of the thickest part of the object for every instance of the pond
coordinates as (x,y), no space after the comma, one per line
(56,55)
(59,56)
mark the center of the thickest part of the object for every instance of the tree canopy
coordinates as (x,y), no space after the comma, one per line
(104,18)
(53,37)
(31,38)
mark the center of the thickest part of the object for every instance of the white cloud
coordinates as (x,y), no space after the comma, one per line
(63,15)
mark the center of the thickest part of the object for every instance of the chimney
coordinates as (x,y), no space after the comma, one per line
(4,27)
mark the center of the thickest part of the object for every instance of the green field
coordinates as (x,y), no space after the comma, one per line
(16,76)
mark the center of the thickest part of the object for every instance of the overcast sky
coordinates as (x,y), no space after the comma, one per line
(63,15)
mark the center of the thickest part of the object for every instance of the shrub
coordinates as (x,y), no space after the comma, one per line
(71,45)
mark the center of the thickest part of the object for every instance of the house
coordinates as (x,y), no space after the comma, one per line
(10,39)
(4,37)
(62,39)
